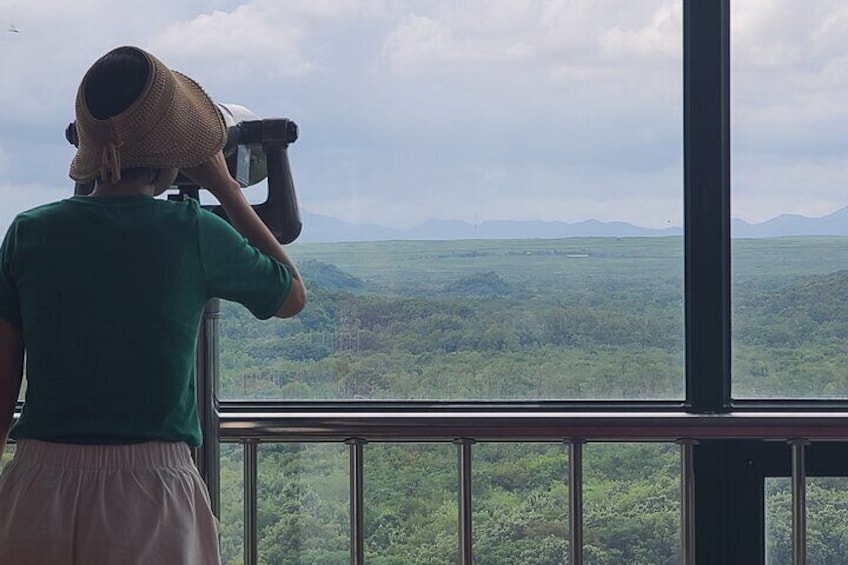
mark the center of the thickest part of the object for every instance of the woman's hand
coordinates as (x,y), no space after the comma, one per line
(214,176)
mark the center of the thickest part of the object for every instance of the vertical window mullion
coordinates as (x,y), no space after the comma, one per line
(706,133)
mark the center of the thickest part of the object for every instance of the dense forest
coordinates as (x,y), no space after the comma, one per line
(587,318)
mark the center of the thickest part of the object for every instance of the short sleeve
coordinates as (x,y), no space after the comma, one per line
(10,306)
(235,270)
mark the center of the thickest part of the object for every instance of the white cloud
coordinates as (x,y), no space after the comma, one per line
(57,41)
(789,83)
(464,101)
(237,46)
(425,43)
(420,37)
(576,53)
(658,39)
(260,40)
(781,34)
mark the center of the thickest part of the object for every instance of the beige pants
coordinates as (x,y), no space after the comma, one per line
(141,504)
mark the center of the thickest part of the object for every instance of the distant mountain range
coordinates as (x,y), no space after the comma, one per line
(318,228)
(835,223)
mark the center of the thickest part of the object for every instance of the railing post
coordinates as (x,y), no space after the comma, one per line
(465,501)
(575,500)
(687,487)
(357,501)
(208,456)
(251,477)
(799,502)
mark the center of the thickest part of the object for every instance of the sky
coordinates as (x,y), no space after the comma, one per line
(474,110)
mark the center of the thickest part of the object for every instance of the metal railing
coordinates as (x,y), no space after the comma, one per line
(467,428)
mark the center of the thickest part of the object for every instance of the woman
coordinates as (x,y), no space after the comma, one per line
(104,293)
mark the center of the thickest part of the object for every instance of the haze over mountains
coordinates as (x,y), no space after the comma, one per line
(318,228)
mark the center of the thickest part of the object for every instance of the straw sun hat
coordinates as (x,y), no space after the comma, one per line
(172,124)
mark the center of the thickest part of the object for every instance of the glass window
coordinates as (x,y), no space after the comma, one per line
(520,502)
(631,503)
(492,206)
(302,504)
(520,499)
(232,503)
(790,220)
(827,512)
(411,511)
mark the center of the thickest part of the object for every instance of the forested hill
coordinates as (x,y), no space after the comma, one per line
(329,277)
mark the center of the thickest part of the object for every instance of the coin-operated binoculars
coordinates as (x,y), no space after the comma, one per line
(256,149)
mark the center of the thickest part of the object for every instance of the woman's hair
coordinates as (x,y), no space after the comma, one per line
(112,84)
(115,81)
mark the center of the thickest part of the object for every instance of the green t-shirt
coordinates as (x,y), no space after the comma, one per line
(108,293)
